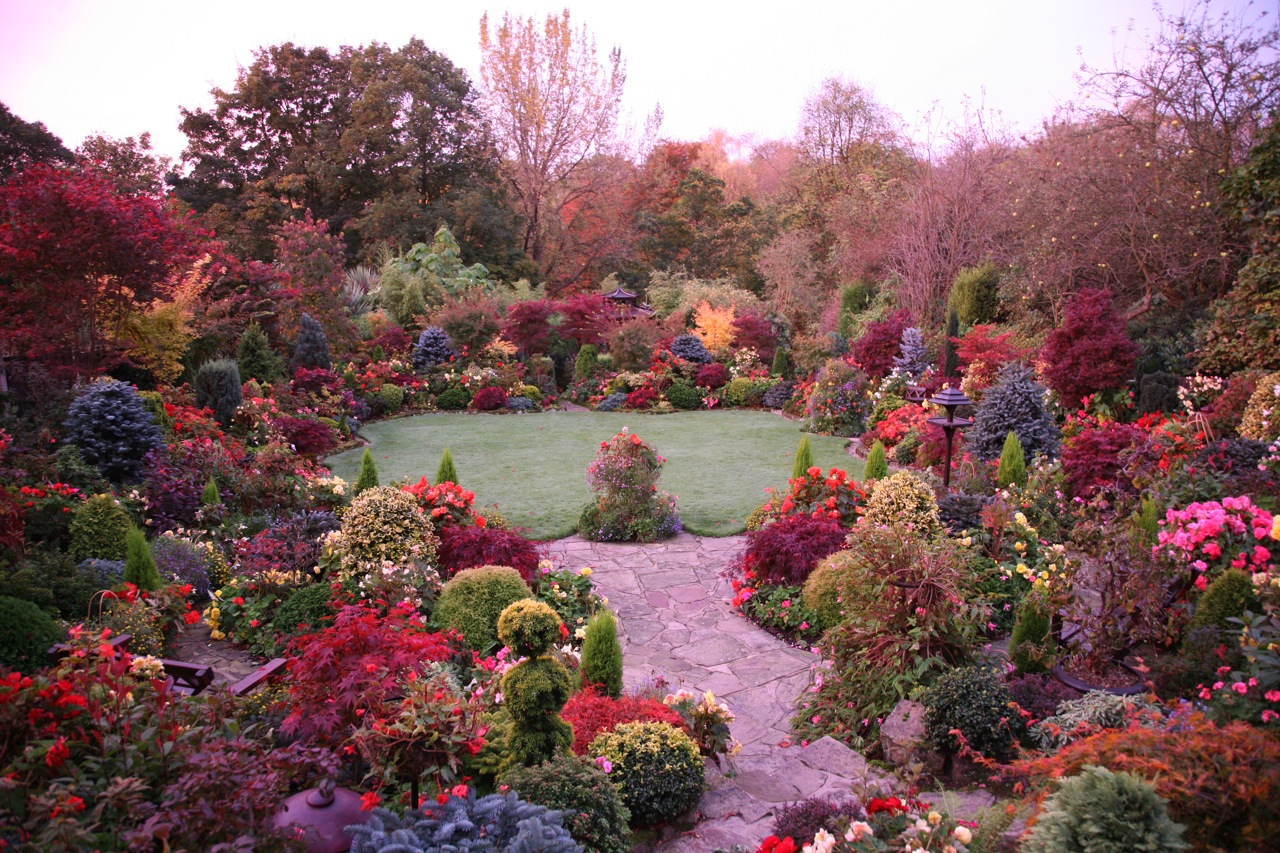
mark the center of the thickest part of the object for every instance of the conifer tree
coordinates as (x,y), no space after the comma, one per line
(255,356)
(1013,464)
(950,358)
(368,477)
(602,655)
(804,458)
(139,565)
(446,473)
(211,496)
(877,467)
(912,358)
(312,351)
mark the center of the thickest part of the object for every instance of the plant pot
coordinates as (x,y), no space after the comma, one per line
(1082,683)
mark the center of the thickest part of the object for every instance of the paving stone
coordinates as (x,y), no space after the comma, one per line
(902,733)
(827,753)
(711,651)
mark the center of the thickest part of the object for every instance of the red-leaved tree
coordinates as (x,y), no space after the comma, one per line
(1090,351)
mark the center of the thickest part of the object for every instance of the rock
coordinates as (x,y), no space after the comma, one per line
(961,805)
(832,756)
(902,734)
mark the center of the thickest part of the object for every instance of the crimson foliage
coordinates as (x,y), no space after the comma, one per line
(755,331)
(875,350)
(786,551)
(489,399)
(713,376)
(1090,351)
(642,398)
(586,318)
(466,547)
(592,714)
(1091,459)
(526,325)
(308,436)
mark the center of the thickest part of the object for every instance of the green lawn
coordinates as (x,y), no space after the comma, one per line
(534,466)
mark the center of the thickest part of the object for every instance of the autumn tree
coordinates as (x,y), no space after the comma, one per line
(553,106)
(310,260)
(1090,351)
(76,260)
(23,143)
(131,164)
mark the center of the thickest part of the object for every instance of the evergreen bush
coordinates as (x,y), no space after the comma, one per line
(211,496)
(390,397)
(1012,470)
(913,357)
(256,358)
(1158,392)
(781,364)
(684,396)
(951,358)
(433,347)
(840,586)
(312,349)
(491,823)
(960,512)
(217,387)
(658,768)
(383,524)
(1099,811)
(975,701)
(453,399)
(1227,598)
(139,565)
(446,472)
(585,363)
(602,655)
(877,467)
(906,450)
(778,396)
(1261,420)
(690,348)
(112,429)
(368,477)
(804,458)
(100,530)
(26,633)
(613,402)
(1031,646)
(1015,403)
(473,599)
(975,295)
(904,499)
(534,691)
(593,810)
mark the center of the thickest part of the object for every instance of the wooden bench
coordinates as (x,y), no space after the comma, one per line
(264,674)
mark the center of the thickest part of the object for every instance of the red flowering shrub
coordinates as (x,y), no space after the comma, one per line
(895,425)
(1091,459)
(835,497)
(1090,351)
(642,398)
(308,436)
(181,421)
(356,667)
(874,351)
(489,399)
(712,376)
(786,551)
(469,547)
(591,714)
(446,504)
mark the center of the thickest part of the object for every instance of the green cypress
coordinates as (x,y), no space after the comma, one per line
(781,364)
(446,473)
(211,496)
(1013,463)
(368,478)
(255,356)
(804,458)
(602,655)
(139,565)
(877,467)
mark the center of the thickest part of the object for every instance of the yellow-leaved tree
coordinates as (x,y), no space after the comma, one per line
(714,327)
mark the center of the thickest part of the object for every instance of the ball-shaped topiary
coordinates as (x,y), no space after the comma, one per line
(217,387)
(383,523)
(433,347)
(975,701)
(112,429)
(472,601)
(904,499)
(658,768)
(1016,402)
(690,348)
(684,396)
(1228,597)
(594,812)
(453,399)
(100,529)
(26,633)
(529,627)
(1103,812)
(535,689)
(390,397)
(841,586)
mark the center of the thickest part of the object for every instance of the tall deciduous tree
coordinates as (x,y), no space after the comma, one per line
(129,163)
(23,143)
(553,106)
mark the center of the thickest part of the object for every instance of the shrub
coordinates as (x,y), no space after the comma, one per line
(975,295)
(1104,812)
(786,551)
(875,350)
(712,376)
(494,822)
(642,398)
(390,397)
(1039,695)
(112,429)
(453,399)
(308,608)
(842,585)
(602,655)
(1261,420)
(1158,392)
(877,467)
(804,458)
(1031,647)
(446,471)
(690,348)
(781,364)
(682,395)
(433,347)
(536,689)
(312,349)
(585,363)
(631,343)
(100,529)
(521,404)
(904,499)
(184,562)
(837,403)
(975,701)
(368,477)
(960,512)
(1012,470)
(1095,711)
(489,398)
(1091,460)
(803,819)
(290,545)
(778,396)
(742,392)
(468,547)
(217,387)
(612,402)
(1228,597)
(592,714)
(912,358)
(472,601)
(309,436)
(1015,403)
(1090,351)
(26,633)
(627,505)
(139,565)
(383,523)
(471,321)
(657,767)
(255,357)
(591,804)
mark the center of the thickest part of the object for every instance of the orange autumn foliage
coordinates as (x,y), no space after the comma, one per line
(714,326)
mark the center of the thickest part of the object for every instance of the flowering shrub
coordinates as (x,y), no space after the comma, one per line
(898,424)
(1198,392)
(891,824)
(707,720)
(1210,536)
(185,562)
(45,512)
(570,594)
(627,503)
(837,404)
(785,552)
(446,504)
(781,610)
(468,547)
(834,496)
(591,714)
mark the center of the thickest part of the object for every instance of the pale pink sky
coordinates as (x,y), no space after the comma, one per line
(125,67)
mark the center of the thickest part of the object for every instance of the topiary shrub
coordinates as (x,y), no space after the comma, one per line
(26,633)
(690,348)
(1103,812)
(255,357)
(311,352)
(975,701)
(612,402)
(1090,350)
(1031,646)
(1015,403)
(1012,470)
(1228,597)
(657,767)
(433,347)
(602,655)
(535,689)
(842,585)
(1261,420)
(712,376)
(139,566)
(453,399)
(217,387)
(627,505)
(468,546)
(100,530)
(803,819)
(489,399)
(786,551)
(112,429)
(390,397)
(368,477)
(383,523)
(495,822)
(877,467)
(975,295)
(472,601)
(904,499)
(593,810)
(779,395)
(592,714)
(684,396)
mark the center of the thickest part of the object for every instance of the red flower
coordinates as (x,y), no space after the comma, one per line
(890,805)
(191,617)
(57,753)
(369,800)
(564,632)
(442,798)
(773,844)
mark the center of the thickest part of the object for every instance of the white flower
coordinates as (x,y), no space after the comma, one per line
(858,831)
(962,834)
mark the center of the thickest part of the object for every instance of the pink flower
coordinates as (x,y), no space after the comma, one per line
(786,602)
(1240,687)
(459,791)
(1201,583)
(1217,685)
(1273,695)
(1269,715)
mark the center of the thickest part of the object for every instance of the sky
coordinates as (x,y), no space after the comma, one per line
(122,67)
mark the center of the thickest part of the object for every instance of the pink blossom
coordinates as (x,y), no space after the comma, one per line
(1269,715)
(1273,695)
(1240,687)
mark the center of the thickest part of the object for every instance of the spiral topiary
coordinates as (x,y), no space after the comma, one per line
(472,601)
(658,768)
(535,689)
(904,499)
(112,429)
